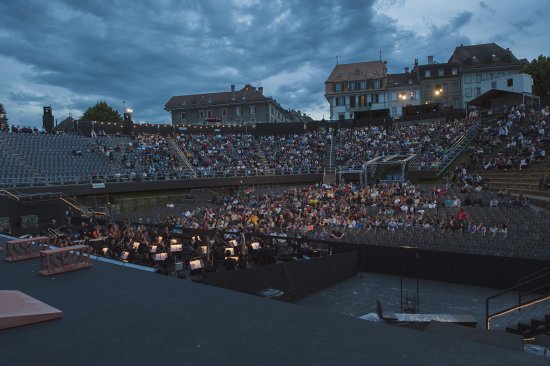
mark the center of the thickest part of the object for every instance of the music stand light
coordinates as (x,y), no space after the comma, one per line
(231,250)
(196,264)
(135,245)
(255,245)
(124,256)
(233,242)
(175,248)
(159,257)
(153,248)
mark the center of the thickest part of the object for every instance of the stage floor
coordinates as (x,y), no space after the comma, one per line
(122,316)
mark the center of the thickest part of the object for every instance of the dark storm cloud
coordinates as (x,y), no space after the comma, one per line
(76,52)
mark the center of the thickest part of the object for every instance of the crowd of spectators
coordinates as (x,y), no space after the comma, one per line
(221,155)
(512,139)
(144,156)
(295,153)
(325,211)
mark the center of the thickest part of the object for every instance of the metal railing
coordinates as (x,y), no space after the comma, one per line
(8,183)
(444,161)
(536,284)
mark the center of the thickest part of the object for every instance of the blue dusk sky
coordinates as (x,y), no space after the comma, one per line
(71,53)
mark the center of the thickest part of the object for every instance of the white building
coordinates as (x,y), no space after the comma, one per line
(518,83)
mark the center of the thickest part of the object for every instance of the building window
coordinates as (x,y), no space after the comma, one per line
(362,101)
(238,111)
(351,86)
(501,75)
(393,111)
(363,85)
(455,71)
(413,95)
(337,87)
(454,87)
(375,98)
(393,97)
(377,84)
(252,110)
(479,78)
(468,92)
(467,79)
(510,82)
(201,114)
(352,101)
(478,91)
(427,73)
(209,113)
(224,112)
(440,72)
(489,76)
(493,84)
(183,116)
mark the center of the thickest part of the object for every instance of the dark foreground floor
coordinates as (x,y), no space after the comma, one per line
(122,316)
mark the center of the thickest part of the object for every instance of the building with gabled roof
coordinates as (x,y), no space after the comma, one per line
(356,88)
(483,62)
(248,105)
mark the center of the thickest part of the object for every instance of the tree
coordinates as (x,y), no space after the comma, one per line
(3,118)
(101,112)
(539,69)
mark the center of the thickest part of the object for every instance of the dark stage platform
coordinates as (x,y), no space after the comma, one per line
(122,316)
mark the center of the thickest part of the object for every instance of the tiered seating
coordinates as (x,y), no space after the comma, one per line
(55,158)
(222,155)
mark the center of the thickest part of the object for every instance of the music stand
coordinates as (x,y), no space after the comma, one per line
(231,250)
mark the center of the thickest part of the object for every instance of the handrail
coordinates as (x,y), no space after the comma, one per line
(443,162)
(182,156)
(539,275)
(522,279)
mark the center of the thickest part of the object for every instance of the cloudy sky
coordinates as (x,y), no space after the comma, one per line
(71,53)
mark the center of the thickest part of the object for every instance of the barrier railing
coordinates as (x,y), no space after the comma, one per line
(66,259)
(21,249)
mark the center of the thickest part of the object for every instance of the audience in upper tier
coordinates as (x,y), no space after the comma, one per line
(511,138)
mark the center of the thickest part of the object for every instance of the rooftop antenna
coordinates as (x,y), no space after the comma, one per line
(336,59)
(380,55)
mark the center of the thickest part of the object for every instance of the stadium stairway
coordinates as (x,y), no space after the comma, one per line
(517,181)
(180,155)
(329,175)
(529,316)
(261,154)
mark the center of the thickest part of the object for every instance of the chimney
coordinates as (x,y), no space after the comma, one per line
(415,62)
(406,70)
(261,89)
(430,60)
(233,92)
(232,88)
